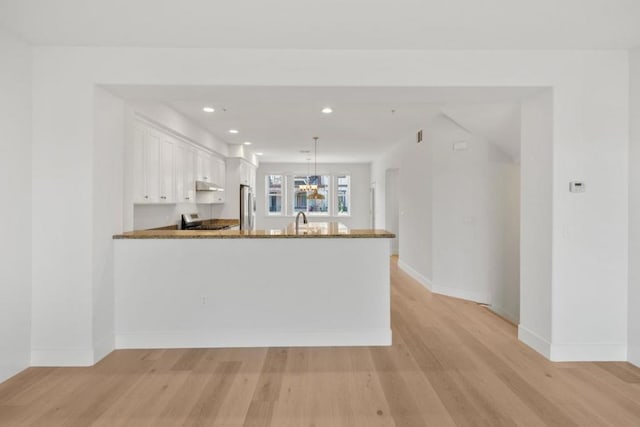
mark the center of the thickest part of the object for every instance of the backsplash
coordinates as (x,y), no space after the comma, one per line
(152,216)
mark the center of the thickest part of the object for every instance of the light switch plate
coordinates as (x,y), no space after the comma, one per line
(577,187)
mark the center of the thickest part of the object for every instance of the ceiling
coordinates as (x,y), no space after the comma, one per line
(328,24)
(281,122)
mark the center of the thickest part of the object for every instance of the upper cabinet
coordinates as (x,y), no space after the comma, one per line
(185,174)
(154,175)
(165,168)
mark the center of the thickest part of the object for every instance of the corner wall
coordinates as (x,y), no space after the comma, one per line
(536,246)
(414,187)
(108,157)
(15,217)
(634,210)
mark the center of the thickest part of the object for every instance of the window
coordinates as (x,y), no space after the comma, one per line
(312,206)
(343,192)
(274,186)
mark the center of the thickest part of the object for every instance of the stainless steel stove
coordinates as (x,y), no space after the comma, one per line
(193,222)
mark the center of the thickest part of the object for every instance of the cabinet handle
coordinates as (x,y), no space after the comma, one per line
(146,197)
(187,198)
(163,197)
(205,178)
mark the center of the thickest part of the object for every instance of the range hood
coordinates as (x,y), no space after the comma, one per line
(207,186)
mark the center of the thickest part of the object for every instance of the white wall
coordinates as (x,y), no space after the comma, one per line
(536,246)
(360,175)
(154,216)
(458,219)
(504,225)
(413,162)
(634,211)
(108,185)
(15,215)
(461,232)
(590,122)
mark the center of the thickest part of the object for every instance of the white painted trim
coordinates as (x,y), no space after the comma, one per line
(102,348)
(418,277)
(635,362)
(503,312)
(534,341)
(62,357)
(442,290)
(253,338)
(589,352)
(476,296)
(9,371)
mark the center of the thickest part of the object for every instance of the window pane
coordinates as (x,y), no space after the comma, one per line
(274,194)
(344,194)
(304,186)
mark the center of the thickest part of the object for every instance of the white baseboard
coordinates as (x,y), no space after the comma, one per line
(102,348)
(62,357)
(502,312)
(442,290)
(633,354)
(589,352)
(534,341)
(8,371)
(476,296)
(573,352)
(253,338)
(423,280)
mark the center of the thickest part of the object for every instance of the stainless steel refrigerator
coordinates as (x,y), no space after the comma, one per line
(247,208)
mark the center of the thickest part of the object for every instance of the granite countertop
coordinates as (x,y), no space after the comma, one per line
(213,221)
(312,230)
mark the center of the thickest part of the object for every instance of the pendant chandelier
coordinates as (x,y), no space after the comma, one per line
(307,187)
(314,195)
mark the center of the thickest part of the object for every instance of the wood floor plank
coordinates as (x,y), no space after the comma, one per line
(452,363)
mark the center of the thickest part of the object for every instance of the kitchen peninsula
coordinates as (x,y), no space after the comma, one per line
(323,285)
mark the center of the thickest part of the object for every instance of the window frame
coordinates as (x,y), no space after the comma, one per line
(292,192)
(267,195)
(337,195)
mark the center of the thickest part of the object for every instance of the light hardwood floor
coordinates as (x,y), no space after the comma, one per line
(452,363)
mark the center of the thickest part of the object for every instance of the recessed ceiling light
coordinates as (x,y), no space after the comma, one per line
(233,130)
(208,109)
(246,143)
(259,154)
(327,110)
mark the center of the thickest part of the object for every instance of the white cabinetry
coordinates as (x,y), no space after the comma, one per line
(154,178)
(203,166)
(165,168)
(185,174)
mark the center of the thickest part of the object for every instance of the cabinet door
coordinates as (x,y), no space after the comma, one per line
(185,174)
(166,172)
(204,166)
(218,171)
(151,166)
(140,194)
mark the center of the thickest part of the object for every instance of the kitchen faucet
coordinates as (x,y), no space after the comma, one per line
(304,219)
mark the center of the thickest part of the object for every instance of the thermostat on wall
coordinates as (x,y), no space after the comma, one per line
(577,187)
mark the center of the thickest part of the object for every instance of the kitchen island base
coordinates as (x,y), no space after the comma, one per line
(176,293)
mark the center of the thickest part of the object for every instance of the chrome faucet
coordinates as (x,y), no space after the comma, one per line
(304,219)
